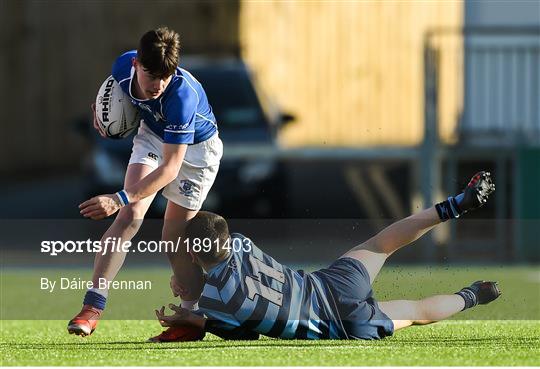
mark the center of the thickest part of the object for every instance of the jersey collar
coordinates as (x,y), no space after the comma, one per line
(218,268)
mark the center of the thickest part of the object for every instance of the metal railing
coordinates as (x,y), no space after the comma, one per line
(500,115)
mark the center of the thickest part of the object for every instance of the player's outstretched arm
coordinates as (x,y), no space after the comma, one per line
(407,230)
(186,318)
(102,206)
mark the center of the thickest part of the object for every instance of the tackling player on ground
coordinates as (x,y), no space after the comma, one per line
(177,149)
(248,293)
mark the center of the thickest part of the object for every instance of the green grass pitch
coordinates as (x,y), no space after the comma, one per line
(504,333)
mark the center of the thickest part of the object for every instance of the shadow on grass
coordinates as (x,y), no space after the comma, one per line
(205,345)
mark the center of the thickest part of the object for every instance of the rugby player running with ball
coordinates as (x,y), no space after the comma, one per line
(177,149)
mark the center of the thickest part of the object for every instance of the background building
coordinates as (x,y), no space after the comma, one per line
(395,103)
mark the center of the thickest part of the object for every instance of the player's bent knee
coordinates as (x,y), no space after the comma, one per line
(372,261)
(131,216)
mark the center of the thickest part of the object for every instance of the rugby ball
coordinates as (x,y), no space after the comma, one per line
(114,110)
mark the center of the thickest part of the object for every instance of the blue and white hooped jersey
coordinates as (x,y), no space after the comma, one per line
(181,115)
(252,292)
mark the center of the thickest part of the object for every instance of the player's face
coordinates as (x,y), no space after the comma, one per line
(150,86)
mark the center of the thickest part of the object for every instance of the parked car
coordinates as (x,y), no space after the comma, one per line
(251,181)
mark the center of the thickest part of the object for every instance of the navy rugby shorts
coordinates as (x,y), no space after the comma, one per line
(348,282)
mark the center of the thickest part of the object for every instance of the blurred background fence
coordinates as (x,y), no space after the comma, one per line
(395,104)
(55,53)
(498,126)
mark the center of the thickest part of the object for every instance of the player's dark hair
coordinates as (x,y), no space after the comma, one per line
(159,51)
(213,228)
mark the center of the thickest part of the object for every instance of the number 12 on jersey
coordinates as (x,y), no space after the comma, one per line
(255,287)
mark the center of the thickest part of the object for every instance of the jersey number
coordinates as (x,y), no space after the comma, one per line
(255,287)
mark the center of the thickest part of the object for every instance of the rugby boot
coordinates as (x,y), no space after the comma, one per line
(477,192)
(179,334)
(85,322)
(479,293)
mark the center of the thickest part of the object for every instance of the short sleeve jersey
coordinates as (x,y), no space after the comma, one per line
(181,115)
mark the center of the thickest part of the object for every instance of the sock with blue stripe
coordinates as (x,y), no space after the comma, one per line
(469,296)
(95,298)
(449,209)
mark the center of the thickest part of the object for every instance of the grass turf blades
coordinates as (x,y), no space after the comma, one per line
(476,337)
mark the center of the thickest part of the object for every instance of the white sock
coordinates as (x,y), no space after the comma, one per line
(103,293)
(190,305)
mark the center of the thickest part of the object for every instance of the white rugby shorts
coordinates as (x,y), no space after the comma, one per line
(197,174)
